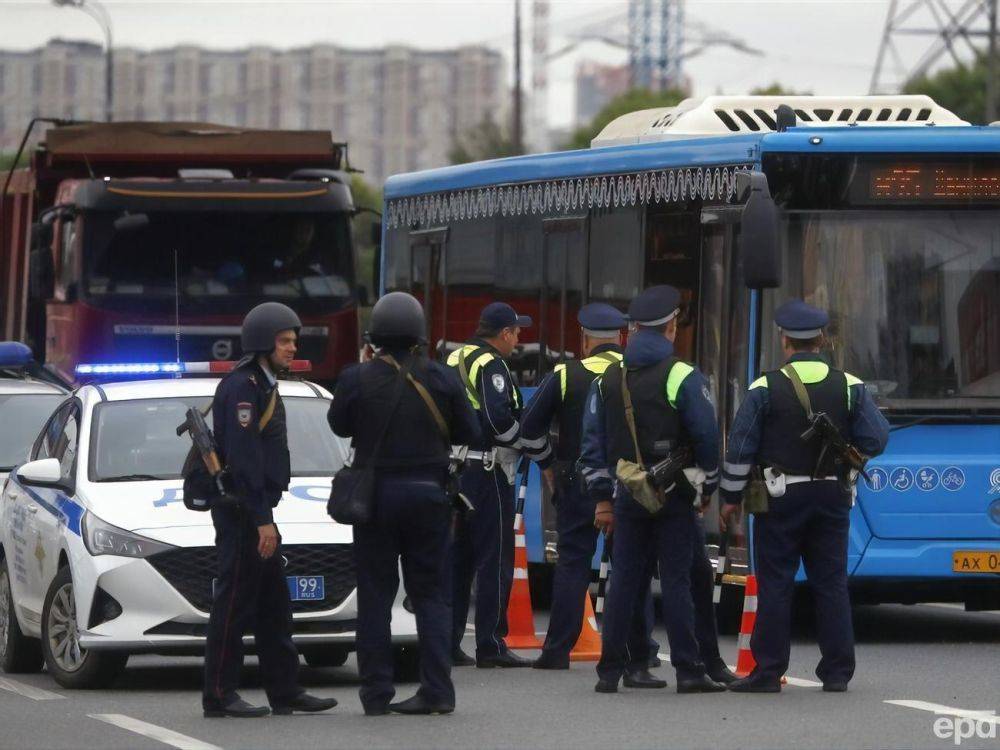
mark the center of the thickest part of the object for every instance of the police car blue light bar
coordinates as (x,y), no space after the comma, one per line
(173,368)
(14,354)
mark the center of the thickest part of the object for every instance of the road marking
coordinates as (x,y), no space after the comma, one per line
(28,691)
(160,734)
(987,717)
(797,681)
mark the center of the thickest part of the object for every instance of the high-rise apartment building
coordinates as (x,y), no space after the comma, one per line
(400,109)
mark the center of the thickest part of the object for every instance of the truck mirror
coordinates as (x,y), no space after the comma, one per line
(758,241)
(131,222)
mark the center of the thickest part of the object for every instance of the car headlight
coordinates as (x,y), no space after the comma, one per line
(101,538)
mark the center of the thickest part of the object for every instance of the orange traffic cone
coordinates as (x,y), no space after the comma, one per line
(744,656)
(520,618)
(588,645)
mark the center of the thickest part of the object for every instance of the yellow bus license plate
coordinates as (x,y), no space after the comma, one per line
(963,561)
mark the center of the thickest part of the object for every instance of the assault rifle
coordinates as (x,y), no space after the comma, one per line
(662,474)
(823,427)
(204,443)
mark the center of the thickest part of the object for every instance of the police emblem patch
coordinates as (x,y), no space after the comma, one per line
(244,411)
(498,383)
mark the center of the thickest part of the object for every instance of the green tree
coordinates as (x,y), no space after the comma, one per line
(487,140)
(776,89)
(630,101)
(961,89)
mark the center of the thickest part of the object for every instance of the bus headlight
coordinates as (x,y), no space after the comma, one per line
(994,511)
(101,538)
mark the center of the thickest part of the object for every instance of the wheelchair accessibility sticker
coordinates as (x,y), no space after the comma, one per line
(901,479)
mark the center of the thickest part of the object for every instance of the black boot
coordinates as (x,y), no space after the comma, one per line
(506,660)
(237,707)
(304,703)
(548,660)
(606,686)
(418,705)
(703,684)
(461,659)
(641,678)
(719,671)
(755,684)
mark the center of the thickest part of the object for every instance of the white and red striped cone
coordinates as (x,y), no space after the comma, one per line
(520,618)
(745,662)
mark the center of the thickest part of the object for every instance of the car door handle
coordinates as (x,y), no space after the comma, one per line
(32,509)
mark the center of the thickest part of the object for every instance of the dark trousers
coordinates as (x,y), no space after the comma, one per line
(484,549)
(251,594)
(571,581)
(412,521)
(671,534)
(702,589)
(810,522)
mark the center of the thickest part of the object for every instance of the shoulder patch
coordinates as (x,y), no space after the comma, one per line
(244,413)
(498,382)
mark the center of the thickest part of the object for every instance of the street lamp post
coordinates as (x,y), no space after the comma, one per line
(100,14)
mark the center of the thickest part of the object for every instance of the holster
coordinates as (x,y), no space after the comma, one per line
(755,497)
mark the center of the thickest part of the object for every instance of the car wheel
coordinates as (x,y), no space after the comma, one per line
(19,654)
(325,656)
(406,664)
(69,664)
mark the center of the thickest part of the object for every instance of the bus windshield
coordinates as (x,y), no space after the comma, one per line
(914,301)
(222,259)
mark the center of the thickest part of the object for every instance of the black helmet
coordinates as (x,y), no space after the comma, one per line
(397,318)
(263,323)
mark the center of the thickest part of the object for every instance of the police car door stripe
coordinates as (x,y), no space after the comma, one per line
(160,734)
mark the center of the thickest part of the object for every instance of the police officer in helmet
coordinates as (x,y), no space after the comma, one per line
(560,401)
(810,497)
(251,594)
(421,407)
(670,407)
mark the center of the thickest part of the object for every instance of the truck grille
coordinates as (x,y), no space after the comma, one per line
(190,570)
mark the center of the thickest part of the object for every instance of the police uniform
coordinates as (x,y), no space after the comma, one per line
(251,593)
(672,404)
(248,417)
(811,518)
(560,400)
(484,540)
(412,515)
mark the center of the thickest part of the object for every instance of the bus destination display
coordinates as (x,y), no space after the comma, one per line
(934,182)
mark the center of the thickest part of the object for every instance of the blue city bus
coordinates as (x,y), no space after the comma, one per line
(886,212)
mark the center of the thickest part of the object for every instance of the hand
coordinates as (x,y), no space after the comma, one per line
(268,543)
(550,479)
(367,353)
(604,517)
(729,514)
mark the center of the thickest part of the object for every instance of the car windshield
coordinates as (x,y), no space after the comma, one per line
(221,258)
(22,416)
(913,296)
(137,440)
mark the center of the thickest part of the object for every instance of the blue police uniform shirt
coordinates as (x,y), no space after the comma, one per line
(240,401)
(694,406)
(869,429)
(497,394)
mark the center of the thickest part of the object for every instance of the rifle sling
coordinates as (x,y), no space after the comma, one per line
(630,416)
(427,399)
(800,390)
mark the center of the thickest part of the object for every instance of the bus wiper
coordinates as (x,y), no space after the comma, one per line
(130,478)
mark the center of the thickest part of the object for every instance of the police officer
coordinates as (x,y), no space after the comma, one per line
(810,501)
(560,401)
(412,508)
(672,406)
(251,594)
(484,540)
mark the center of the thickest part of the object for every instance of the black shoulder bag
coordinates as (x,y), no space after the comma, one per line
(352,495)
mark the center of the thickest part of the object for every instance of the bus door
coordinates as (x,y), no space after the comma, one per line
(429,283)
(561,293)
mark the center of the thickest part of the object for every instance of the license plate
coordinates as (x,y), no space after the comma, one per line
(963,561)
(306,588)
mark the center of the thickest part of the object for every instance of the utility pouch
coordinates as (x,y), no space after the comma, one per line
(774,481)
(636,481)
(755,496)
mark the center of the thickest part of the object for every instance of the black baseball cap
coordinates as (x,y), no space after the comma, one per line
(498,315)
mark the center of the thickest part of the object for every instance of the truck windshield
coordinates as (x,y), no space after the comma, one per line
(136,440)
(221,257)
(914,301)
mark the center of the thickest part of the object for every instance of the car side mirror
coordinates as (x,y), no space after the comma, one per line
(758,241)
(45,472)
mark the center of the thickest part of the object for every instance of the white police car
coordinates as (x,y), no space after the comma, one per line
(99,558)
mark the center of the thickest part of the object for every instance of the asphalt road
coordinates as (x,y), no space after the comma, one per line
(925,658)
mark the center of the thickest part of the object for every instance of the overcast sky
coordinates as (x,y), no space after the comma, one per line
(821,46)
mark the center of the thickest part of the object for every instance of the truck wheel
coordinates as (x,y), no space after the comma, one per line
(19,654)
(71,666)
(325,656)
(406,664)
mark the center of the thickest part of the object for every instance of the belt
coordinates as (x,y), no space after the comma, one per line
(799,478)
(485,456)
